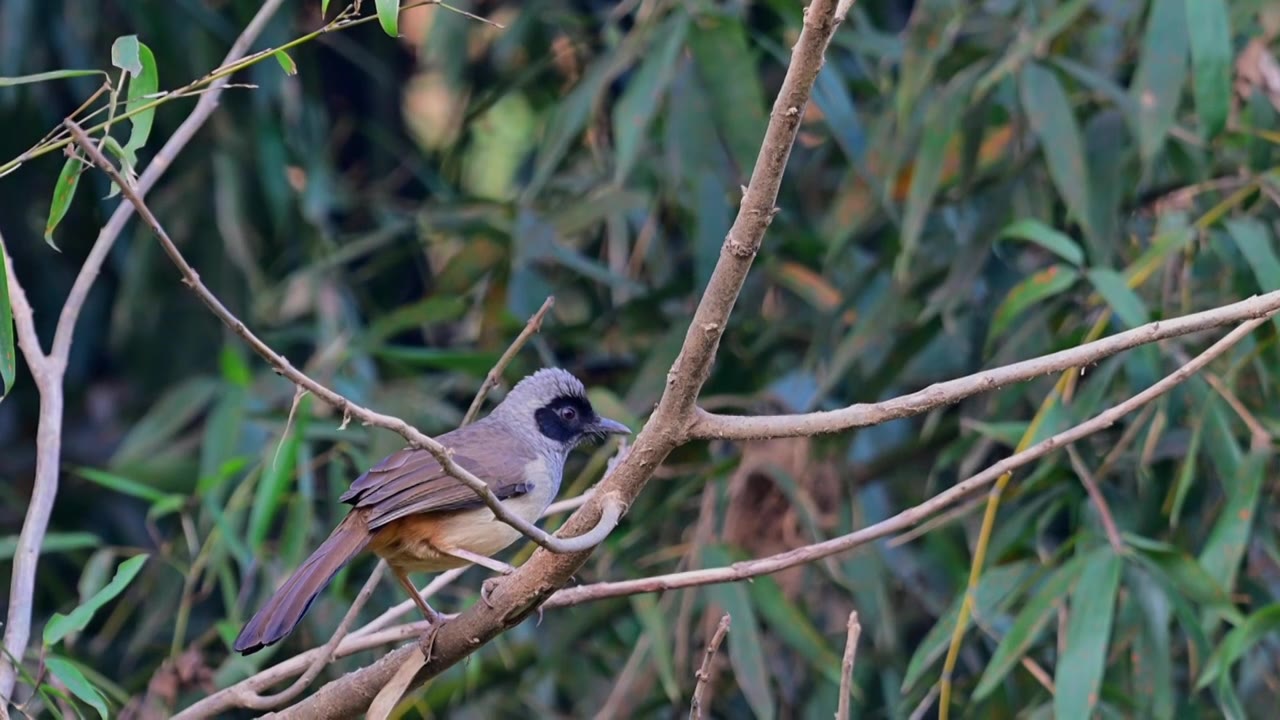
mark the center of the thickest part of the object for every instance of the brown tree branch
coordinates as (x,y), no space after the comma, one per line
(704,671)
(412,435)
(47,371)
(853,629)
(733,427)
(517,595)
(1099,502)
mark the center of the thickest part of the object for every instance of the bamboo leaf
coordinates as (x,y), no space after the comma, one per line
(1078,677)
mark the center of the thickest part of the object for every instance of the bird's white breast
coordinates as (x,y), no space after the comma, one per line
(478,531)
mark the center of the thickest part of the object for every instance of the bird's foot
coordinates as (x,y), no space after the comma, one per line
(427,640)
(486,590)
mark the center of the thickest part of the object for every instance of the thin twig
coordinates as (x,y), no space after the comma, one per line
(1099,502)
(48,370)
(853,630)
(495,375)
(412,435)
(704,671)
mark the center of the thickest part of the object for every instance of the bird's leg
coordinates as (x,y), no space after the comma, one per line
(486,588)
(428,638)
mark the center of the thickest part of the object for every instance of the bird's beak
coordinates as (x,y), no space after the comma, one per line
(611,427)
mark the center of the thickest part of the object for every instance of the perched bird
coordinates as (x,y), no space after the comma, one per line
(412,514)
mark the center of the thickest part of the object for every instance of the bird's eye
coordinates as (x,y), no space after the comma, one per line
(568,414)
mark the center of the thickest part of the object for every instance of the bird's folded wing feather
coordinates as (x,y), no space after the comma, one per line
(411,481)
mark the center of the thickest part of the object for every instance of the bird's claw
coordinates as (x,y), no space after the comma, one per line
(427,641)
(486,590)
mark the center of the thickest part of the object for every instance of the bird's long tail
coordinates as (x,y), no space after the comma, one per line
(290,602)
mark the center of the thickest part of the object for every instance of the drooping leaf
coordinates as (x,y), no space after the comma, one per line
(1209,27)
(1078,676)
(1162,71)
(59,626)
(1054,122)
(286,63)
(1050,239)
(643,98)
(63,192)
(1259,625)
(143,83)
(77,683)
(746,646)
(8,355)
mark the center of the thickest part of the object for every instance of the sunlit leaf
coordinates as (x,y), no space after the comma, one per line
(143,83)
(388,16)
(286,63)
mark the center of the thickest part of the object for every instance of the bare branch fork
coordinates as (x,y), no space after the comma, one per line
(47,371)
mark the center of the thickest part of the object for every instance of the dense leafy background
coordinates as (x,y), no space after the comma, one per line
(974,183)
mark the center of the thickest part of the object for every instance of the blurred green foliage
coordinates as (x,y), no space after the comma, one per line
(974,183)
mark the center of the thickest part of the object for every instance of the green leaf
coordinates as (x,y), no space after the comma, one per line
(793,626)
(1209,28)
(1162,71)
(277,474)
(77,683)
(63,192)
(1237,642)
(286,63)
(8,356)
(1078,676)
(53,542)
(1121,298)
(59,626)
(643,97)
(1030,43)
(1040,286)
(324,7)
(746,647)
(123,485)
(1029,623)
(389,16)
(143,83)
(1187,472)
(727,69)
(940,124)
(44,76)
(658,629)
(1229,537)
(1050,239)
(126,55)
(1046,105)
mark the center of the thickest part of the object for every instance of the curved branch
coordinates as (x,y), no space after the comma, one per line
(412,435)
(737,427)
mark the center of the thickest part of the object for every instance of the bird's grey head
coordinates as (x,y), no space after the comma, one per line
(551,409)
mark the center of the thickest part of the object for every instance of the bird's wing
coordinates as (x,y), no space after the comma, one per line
(410,481)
